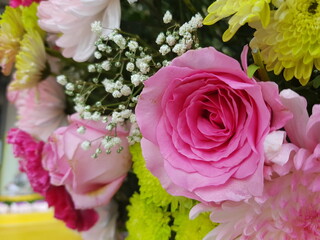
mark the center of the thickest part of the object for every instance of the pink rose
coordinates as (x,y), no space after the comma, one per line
(91,181)
(203,122)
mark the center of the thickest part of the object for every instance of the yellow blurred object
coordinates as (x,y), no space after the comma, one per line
(21,198)
(34,226)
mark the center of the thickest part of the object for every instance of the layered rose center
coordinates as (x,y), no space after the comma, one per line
(208,123)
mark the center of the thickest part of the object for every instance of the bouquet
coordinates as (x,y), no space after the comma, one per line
(158,119)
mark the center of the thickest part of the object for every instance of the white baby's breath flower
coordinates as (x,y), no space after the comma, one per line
(130,67)
(85,145)
(164,49)
(96,27)
(106,65)
(161,38)
(167,18)
(125,90)
(81,130)
(61,79)
(133,45)
(97,55)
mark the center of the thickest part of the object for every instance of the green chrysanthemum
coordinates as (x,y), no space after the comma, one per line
(243,11)
(150,187)
(187,229)
(30,19)
(147,221)
(11,33)
(291,40)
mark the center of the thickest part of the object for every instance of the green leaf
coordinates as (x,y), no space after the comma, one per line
(251,70)
(316,82)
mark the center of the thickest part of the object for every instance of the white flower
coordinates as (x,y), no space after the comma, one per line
(73,20)
(171,40)
(161,38)
(164,49)
(167,18)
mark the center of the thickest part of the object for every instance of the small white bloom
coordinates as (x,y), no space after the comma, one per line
(120,41)
(70,86)
(61,79)
(102,47)
(91,68)
(97,55)
(126,113)
(161,38)
(171,40)
(130,67)
(87,115)
(132,1)
(116,94)
(136,79)
(167,18)
(164,49)
(96,27)
(96,116)
(106,65)
(179,49)
(125,90)
(85,145)
(133,45)
(81,130)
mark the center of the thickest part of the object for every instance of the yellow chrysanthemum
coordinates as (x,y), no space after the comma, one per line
(30,61)
(11,33)
(243,11)
(291,41)
(195,229)
(147,221)
(150,186)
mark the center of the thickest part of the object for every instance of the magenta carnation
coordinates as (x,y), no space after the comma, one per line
(203,122)
(59,198)
(25,3)
(29,152)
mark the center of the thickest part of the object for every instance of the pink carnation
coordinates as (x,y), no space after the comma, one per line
(29,152)
(91,182)
(40,109)
(25,3)
(203,122)
(81,220)
(72,21)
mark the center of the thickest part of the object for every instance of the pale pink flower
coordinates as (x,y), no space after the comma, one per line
(40,109)
(91,181)
(303,133)
(203,122)
(288,210)
(72,19)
